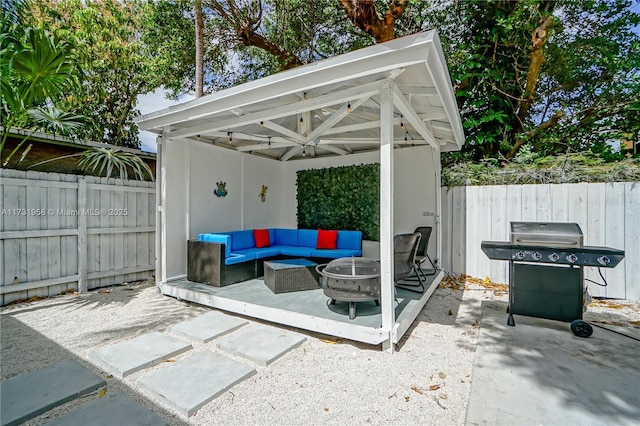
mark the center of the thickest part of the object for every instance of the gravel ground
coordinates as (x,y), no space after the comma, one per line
(323,381)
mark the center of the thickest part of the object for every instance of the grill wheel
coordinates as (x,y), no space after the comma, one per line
(581,328)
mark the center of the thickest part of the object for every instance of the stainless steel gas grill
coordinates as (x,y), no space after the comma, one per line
(546,274)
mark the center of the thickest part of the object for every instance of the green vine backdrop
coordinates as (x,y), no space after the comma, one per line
(345,197)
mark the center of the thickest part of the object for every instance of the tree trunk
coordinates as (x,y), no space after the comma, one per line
(199,49)
(538,40)
(364,15)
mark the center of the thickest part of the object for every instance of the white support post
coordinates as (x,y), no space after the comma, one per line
(159,146)
(161,164)
(82,236)
(387,295)
(437,166)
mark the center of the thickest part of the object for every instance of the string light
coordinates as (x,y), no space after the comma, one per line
(262,124)
(406,137)
(301,120)
(229,136)
(349,107)
(304,152)
(197,137)
(269,141)
(401,123)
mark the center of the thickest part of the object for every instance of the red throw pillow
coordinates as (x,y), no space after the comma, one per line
(327,239)
(261,236)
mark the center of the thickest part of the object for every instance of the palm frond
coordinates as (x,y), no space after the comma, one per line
(112,162)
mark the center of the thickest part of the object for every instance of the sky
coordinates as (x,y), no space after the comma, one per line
(151,102)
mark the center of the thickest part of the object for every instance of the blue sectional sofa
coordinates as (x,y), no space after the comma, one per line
(228,257)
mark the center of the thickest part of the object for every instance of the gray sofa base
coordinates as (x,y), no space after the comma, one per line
(205,264)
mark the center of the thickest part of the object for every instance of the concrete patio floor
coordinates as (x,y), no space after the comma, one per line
(538,372)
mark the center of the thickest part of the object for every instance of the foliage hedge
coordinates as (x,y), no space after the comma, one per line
(345,197)
(529,169)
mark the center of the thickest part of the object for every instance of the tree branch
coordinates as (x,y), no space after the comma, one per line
(364,15)
(245,28)
(533,133)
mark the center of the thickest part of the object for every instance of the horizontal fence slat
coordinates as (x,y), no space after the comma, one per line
(107,187)
(94,231)
(11,288)
(35,183)
(112,273)
(10,235)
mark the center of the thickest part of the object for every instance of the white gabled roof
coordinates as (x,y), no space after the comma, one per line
(330,107)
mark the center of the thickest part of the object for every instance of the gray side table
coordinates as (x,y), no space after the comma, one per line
(287,275)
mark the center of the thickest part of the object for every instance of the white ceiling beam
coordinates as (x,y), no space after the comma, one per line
(359,126)
(333,149)
(293,151)
(239,136)
(418,90)
(364,91)
(366,141)
(335,118)
(283,131)
(412,117)
(263,146)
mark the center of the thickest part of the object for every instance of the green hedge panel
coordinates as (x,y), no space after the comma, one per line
(345,197)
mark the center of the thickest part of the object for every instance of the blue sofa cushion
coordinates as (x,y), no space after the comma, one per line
(238,258)
(350,240)
(336,254)
(259,253)
(307,237)
(242,240)
(218,238)
(285,237)
(296,251)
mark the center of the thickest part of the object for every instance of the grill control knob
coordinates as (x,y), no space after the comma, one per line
(536,255)
(554,257)
(519,255)
(604,260)
(572,258)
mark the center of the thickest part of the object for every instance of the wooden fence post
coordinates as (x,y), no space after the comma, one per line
(82,235)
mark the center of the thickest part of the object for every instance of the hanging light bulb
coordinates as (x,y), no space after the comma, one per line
(269,141)
(197,137)
(229,136)
(262,124)
(304,152)
(406,137)
(349,107)
(301,120)
(401,123)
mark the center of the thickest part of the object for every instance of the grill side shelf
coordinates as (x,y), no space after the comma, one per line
(605,257)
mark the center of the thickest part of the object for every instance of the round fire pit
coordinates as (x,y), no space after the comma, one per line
(351,279)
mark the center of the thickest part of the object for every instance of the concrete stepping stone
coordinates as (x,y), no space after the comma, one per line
(262,345)
(192,382)
(112,409)
(29,395)
(207,327)
(125,358)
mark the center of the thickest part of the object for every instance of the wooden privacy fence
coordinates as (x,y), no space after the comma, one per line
(62,232)
(608,213)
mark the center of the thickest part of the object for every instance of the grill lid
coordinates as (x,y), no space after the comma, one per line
(352,267)
(551,234)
